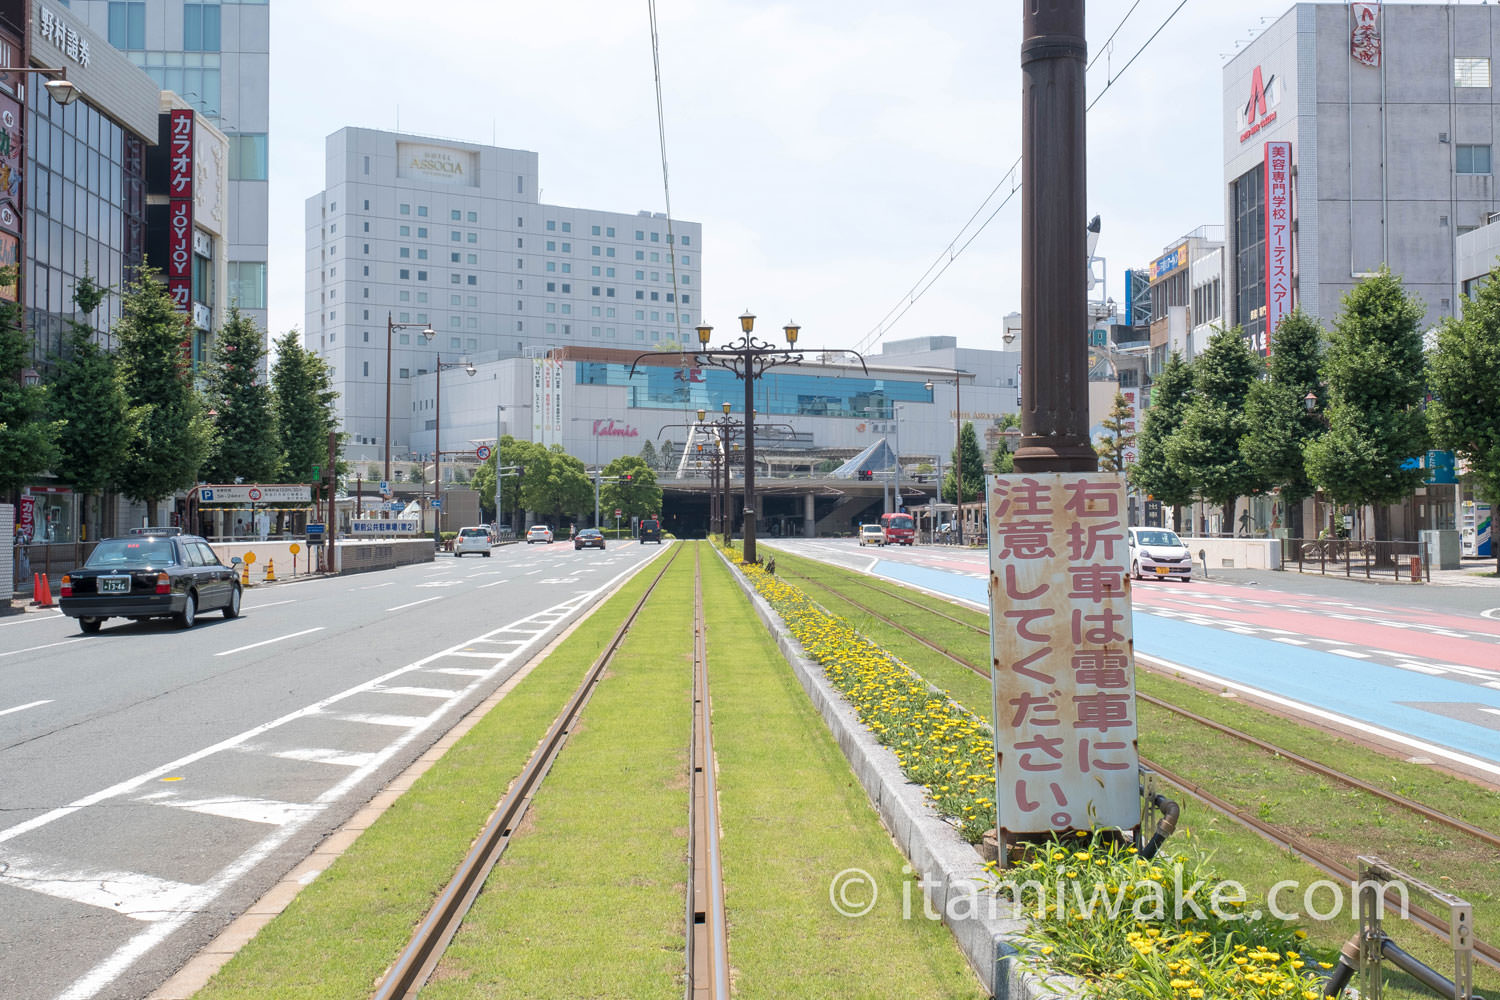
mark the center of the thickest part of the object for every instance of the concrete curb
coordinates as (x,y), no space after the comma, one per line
(950,868)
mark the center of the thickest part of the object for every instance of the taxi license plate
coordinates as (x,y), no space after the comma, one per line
(1161,571)
(114,585)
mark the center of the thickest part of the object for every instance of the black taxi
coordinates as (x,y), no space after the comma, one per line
(150,573)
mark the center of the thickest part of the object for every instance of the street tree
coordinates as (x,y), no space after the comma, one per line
(1463,373)
(28,436)
(1375,387)
(1002,461)
(173,433)
(1118,437)
(640,497)
(1279,423)
(247,445)
(568,489)
(973,463)
(648,455)
(88,400)
(1154,473)
(303,400)
(1207,445)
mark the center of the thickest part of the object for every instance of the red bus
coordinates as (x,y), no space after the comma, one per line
(899,529)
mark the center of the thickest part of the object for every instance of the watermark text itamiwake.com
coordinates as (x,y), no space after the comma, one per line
(854,892)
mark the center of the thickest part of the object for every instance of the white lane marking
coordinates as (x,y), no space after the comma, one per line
(1239,630)
(441,583)
(1421,668)
(1479,764)
(267,812)
(496,655)
(1493,614)
(267,642)
(33,649)
(461,671)
(486,586)
(403,607)
(22,708)
(257,607)
(1492,711)
(416,692)
(1355,653)
(1492,684)
(343,758)
(376,719)
(534,572)
(132,894)
(34,618)
(1290,642)
(377,586)
(116,964)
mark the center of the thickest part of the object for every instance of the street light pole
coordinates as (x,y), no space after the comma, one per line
(391,326)
(747,359)
(958,451)
(437,447)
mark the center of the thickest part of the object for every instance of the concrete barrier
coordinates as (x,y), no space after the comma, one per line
(365,555)
(278,549)
(1235,553)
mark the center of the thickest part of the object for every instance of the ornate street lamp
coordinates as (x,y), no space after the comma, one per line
(747,358)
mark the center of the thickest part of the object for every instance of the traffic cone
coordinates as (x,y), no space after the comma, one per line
(42,592)
(244,574)
(36,589)
(270,571)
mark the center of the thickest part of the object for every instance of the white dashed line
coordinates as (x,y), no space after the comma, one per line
(403,607)
(22,708)
(267,642)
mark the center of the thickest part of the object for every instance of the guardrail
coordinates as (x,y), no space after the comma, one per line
(1394,560)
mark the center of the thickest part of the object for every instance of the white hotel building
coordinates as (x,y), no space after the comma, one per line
(427,232)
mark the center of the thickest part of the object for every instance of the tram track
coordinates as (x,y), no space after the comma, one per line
(1488,954)
(425,950)
(707,931)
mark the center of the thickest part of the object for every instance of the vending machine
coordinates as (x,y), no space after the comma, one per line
(1474,526)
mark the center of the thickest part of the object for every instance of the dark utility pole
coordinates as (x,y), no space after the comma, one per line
(1054,249)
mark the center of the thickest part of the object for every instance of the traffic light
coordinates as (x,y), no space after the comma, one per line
(627,477)
(866,475)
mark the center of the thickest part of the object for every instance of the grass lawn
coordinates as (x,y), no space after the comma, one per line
(793,817)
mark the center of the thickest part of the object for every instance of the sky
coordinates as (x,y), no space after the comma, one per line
(832,151)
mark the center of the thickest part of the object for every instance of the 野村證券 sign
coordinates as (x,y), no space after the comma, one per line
(1061,648)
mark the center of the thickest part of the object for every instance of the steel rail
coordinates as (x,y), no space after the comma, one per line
(707,932)
(1412,805)
(421,956)
(1488,953)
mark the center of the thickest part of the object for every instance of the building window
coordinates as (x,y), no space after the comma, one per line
(567,247)
(247,284)
(200,27)
(1249,228)
(687,241)
(552,246)
(596,250)
(247,157)
(640,236)
(405,275)
(406,252)
(595,291)
(567,227)
(610,232)
(609,293)
(422,276)
(421,232)
(405,209)
(640,255)
(1473,160)
(1471,72)
(473,280)
(127,24)
(552,287)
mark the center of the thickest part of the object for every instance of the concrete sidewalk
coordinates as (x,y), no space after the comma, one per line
(1472,573)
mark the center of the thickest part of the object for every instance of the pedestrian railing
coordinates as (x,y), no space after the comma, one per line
(1391,560)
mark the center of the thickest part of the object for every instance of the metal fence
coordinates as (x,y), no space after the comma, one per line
(1392,560)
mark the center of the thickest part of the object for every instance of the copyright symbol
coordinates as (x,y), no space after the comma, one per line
(848,891)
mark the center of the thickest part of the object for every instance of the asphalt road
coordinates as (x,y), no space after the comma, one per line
(157,781)
(1414,667)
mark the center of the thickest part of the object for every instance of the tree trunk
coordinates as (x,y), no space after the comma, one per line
(1227,528)
(1294,519)
(1382,522)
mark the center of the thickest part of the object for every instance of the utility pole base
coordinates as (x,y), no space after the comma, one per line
(1037,455)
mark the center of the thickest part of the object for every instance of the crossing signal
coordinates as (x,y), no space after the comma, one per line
(866,474)
(627,477)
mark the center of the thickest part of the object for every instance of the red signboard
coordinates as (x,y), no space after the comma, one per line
(1278,238)
(180,209)
(1364,38)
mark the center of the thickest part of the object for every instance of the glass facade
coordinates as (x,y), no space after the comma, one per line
(1249,230)
(85,211)
(782,393)
(194,76)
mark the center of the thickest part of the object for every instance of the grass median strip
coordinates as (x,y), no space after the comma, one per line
(335,940)
(588,899)
(794,818)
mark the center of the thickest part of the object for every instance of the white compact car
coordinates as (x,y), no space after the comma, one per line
(871,534)
(1158,552)
(472,540)
(538,533)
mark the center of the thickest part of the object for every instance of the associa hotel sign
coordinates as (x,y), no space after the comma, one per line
(435,163)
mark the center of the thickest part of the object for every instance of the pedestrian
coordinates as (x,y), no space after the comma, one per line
(239,526)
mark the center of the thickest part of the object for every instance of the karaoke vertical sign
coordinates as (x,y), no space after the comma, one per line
(180,210)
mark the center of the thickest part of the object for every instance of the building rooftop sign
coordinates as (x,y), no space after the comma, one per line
(1260,111)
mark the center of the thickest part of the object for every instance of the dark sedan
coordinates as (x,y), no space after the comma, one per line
(150,573)
(588,538)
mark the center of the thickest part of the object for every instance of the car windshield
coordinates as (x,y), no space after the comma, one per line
(475,533)
(539,530)
(872,529)
(900,522)
(1158,538)
(132,553)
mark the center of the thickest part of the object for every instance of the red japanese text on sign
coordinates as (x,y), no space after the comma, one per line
(180,208)
(1064,702)
(1278,170)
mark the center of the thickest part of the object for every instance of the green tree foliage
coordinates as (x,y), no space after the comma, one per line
(1002,462)
(246,445)
(1207,445)
(1279,423)
(86,396)
(1463,372)
(1154,473)
(28,438)
(303,395)
(567,488)
(649,456)
(173,433)
(1373,373)
(639,497)
(973,463)
(1118,437)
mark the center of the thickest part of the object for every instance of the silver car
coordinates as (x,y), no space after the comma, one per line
(1159,553)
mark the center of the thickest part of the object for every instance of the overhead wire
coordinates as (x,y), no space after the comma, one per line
(949,254)
(661,131)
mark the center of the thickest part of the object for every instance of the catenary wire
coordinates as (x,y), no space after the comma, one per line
(948,255)
(661,131)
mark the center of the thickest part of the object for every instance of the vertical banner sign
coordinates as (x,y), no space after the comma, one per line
(538,398)
(556,411)
(1061,646)
(1364,38)
(1132,426)
(1278,237)
(180,209)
